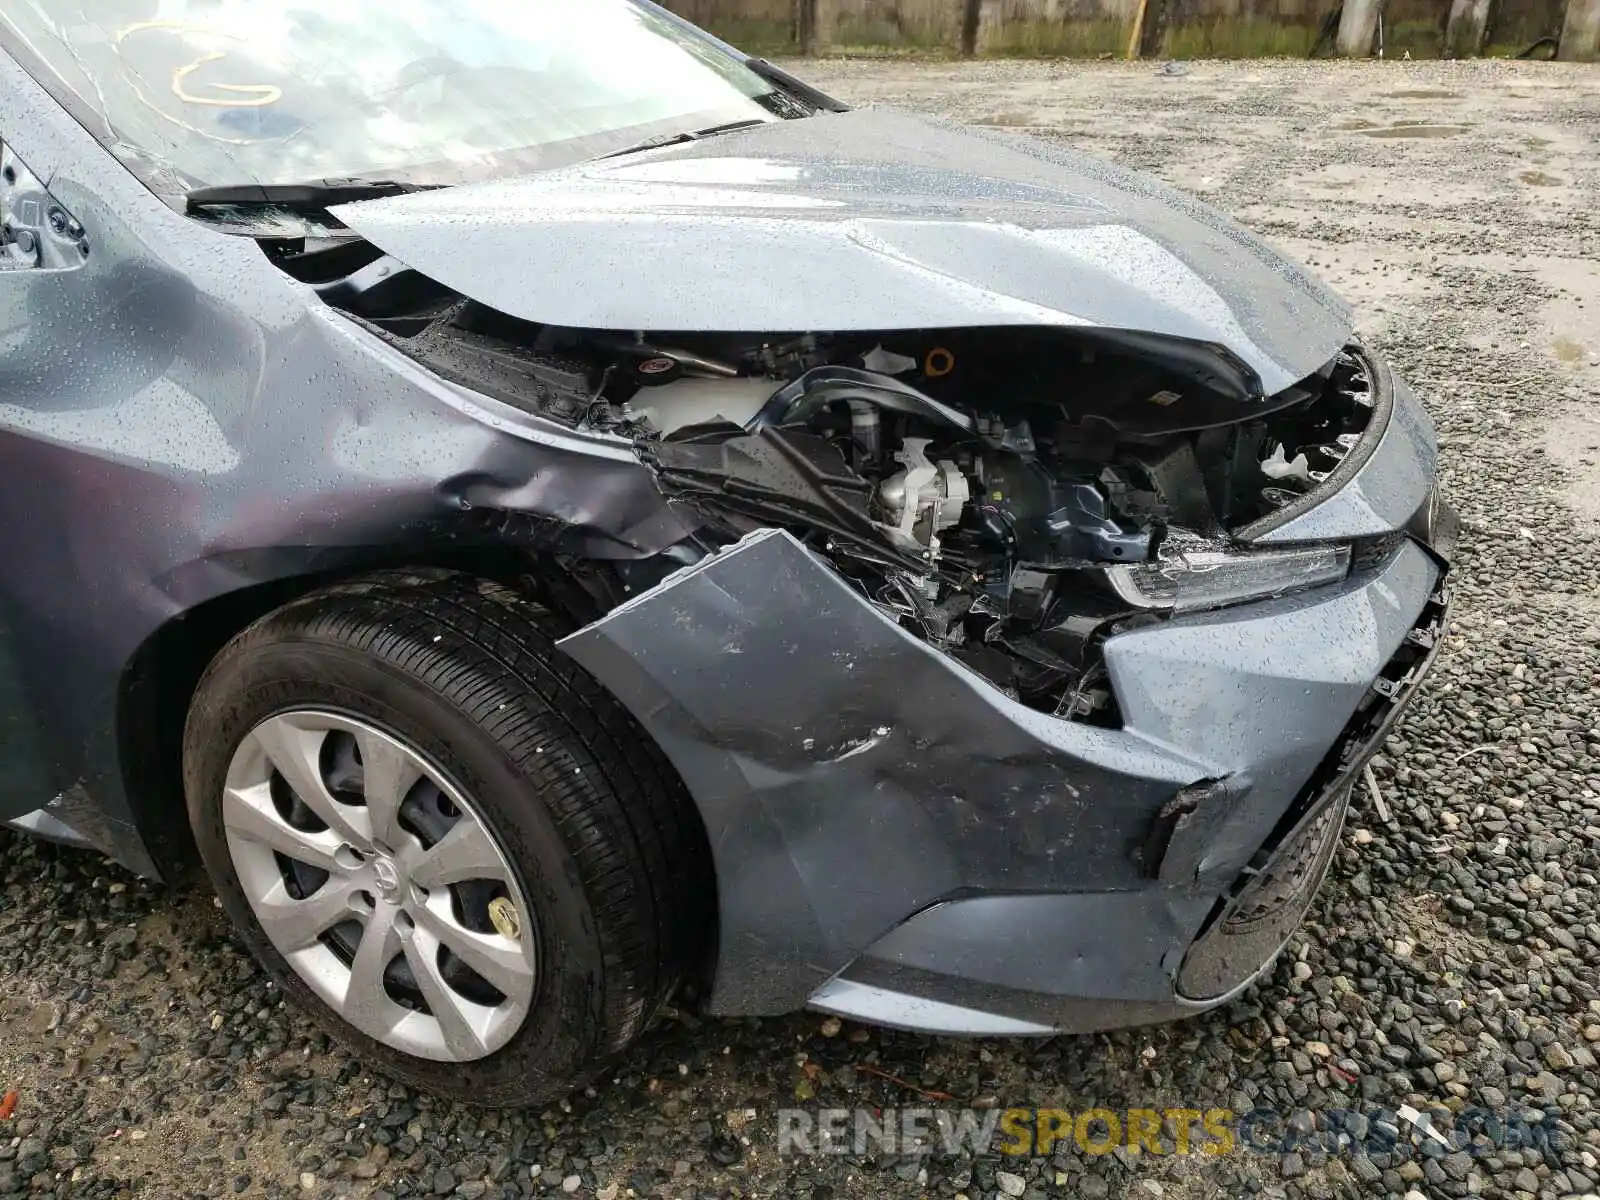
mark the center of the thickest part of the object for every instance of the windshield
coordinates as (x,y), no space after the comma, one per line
(211,92)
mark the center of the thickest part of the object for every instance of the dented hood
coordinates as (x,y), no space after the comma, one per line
(865,220)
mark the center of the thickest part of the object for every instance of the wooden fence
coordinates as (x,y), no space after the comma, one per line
(1166,28)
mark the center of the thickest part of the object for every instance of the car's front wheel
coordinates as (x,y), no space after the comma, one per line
(444,840)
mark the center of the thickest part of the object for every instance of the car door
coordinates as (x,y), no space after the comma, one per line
(39,242)
(84,331)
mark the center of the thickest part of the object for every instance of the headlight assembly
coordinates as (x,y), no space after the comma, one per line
(1185,578)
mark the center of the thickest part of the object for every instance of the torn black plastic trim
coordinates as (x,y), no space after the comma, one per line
(778,472)
(1380,383)
(1253,926)
(1265,904)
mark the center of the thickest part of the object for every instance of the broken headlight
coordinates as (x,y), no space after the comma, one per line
(1183,579)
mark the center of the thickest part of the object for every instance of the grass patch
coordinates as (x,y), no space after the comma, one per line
(854,30)
(1238,37)
(1058,39)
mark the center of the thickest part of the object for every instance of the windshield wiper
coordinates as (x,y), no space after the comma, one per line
(799,89)
(313,195)
(673,139)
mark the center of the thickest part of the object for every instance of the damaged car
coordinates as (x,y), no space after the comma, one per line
(550,511)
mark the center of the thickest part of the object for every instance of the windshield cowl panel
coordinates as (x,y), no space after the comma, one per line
(271,92)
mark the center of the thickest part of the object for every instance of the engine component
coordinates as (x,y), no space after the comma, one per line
(688,401)
(1046,519)
(925,498)
(819,387)
(1279,466)
(1082,523)
(693,364)
(688,362)
(865,428)
(653,372)
(887,362)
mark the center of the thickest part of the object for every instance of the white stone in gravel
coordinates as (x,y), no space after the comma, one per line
(308,1182)
(1011,1185)
(571,1184)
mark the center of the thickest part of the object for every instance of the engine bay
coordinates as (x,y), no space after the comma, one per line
(1011,495)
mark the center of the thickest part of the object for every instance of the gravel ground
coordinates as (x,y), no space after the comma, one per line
(1450,961)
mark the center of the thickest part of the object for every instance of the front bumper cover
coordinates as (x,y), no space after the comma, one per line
(897,840)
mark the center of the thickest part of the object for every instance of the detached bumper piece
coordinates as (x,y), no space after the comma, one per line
(1273,894)
(1251,927)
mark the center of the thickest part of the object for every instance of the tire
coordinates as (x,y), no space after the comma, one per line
(602,843)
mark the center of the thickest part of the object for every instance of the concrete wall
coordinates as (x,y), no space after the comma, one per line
(1090,28)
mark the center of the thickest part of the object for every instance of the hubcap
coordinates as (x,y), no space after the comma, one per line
(387,876)
(380,885)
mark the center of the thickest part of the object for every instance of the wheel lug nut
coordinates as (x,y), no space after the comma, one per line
(349,858)
(503,915)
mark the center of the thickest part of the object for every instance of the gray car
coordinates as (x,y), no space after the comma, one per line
(549,510)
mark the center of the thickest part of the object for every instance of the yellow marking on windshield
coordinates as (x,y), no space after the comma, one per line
(128,31)
(259,94)
(263,93)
